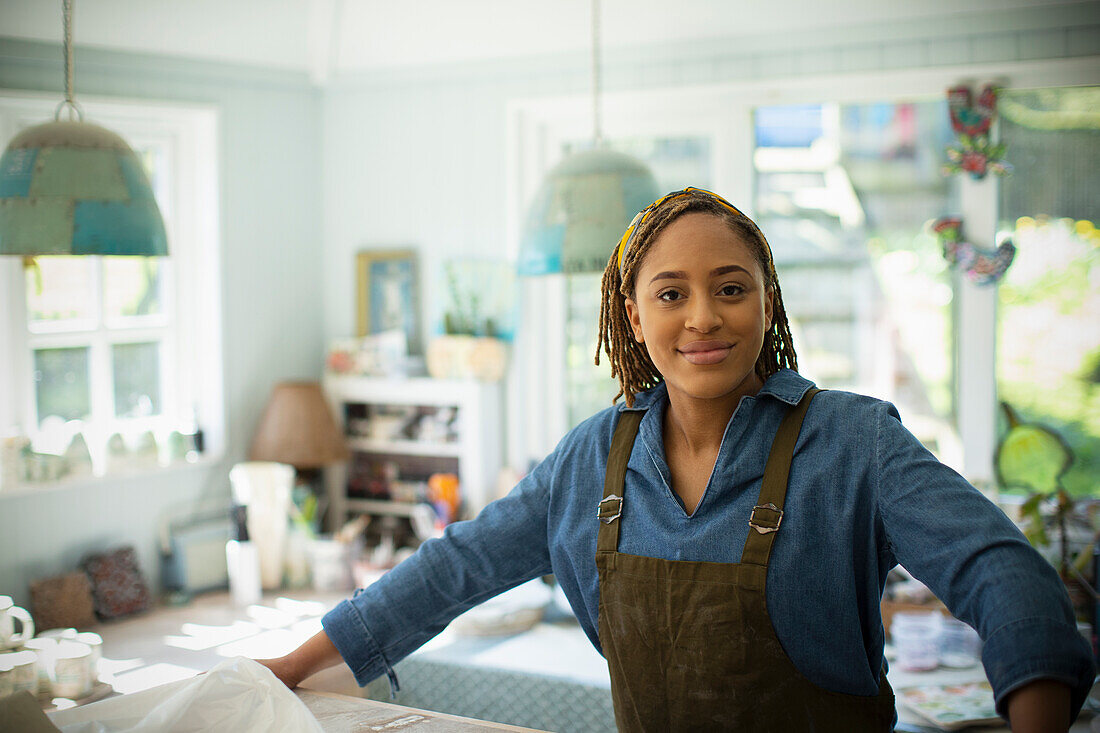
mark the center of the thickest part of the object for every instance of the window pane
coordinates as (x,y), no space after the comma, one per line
(61,383)
(59,289)
(588,387)
(132,286)
(844,194)
(136,370)
(1048,336)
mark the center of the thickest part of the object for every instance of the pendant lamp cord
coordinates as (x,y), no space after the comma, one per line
(75,112)
(597,131)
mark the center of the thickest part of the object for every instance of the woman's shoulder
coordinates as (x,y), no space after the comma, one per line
(839,407)
(840,402)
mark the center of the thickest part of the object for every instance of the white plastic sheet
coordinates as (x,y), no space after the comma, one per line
(237,696)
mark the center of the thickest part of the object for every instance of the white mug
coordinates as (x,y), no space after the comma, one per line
(7,676)
(71,677)
(95,644)
(44,650)
(9,613)
(58,634)
(24,671)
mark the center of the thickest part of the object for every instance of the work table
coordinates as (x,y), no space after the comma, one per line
(343,714)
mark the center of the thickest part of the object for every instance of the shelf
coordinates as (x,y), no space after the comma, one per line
(471,448)
(405,447)
(397,391)
(379,506)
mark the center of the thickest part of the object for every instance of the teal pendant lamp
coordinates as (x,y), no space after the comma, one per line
(69,187)
(585,203)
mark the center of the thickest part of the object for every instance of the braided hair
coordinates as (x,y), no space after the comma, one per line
(630,361)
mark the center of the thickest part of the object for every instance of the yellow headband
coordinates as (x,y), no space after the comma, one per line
(639,219)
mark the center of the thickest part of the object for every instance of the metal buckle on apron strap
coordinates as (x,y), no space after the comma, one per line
(768,520)
(611,512)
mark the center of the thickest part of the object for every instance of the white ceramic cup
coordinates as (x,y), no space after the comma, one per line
(95,643)
(916,638)
(71,677)
(9,613)
(7,675)
(24,671)
(58,634)
(44,649)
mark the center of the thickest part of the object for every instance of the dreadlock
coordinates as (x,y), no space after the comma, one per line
(630,360)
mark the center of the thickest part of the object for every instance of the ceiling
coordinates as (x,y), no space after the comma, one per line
(326,37)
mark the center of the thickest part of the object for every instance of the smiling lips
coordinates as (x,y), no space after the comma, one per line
(706,352)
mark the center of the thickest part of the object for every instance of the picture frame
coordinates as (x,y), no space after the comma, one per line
(388,294)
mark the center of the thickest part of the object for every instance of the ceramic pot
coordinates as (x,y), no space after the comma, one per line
(466,357)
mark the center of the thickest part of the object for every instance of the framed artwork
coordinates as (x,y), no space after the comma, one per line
(388,294)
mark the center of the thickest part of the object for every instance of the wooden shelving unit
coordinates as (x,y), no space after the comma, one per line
(472,447)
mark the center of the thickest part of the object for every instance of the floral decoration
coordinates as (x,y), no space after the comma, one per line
(982,265)
(973,152)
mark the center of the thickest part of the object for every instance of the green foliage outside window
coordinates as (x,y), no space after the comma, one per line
(1048,337)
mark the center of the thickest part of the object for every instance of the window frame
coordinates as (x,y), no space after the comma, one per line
(537,128)
(191,350)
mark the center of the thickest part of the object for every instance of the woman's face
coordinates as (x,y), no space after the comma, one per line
(701,309)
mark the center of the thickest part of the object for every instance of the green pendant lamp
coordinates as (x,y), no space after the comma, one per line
(69,187)
(585,202)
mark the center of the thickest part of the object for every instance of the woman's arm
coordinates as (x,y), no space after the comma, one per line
(505,545)
(982,567)
(1042,706)
(311,657)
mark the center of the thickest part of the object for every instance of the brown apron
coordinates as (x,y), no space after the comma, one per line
(690,645)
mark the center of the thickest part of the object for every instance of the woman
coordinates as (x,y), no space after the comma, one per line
(746,523)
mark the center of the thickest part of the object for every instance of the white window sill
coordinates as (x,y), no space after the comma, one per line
(89,481)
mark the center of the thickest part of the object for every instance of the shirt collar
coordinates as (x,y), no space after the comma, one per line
(786,385)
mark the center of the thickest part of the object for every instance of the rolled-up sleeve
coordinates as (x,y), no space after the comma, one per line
(505,545)
(963,547)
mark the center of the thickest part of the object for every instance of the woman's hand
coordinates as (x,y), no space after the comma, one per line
(1041,706)
(284,669)
(316,654)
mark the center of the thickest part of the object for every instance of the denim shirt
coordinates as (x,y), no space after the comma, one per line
(864,495)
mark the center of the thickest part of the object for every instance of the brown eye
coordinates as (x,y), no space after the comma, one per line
(731,290)
(669,296)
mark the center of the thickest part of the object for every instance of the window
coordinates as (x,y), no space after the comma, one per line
(843,174)
(119,345)
(844,193)
(1048,316)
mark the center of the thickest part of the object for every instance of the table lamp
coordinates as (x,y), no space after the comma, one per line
(297,428)
(297,433)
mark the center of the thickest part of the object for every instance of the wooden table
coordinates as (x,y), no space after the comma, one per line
(170,645)
(337,714)
(343,714)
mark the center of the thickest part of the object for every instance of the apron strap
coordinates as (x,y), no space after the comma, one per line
(611,506)
(767,515)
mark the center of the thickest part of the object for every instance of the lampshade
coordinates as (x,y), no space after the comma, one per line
(581,210)
(297,428)
(74,188)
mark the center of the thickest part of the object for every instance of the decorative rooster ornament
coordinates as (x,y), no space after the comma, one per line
(983,266)
(973,152)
